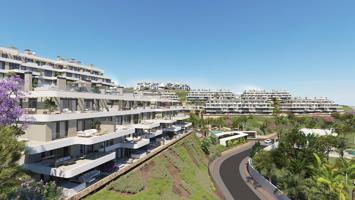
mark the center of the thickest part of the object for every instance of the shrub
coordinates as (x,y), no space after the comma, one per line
(130,183)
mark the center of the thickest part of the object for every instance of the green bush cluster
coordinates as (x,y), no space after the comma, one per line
(130,183)
(173,157)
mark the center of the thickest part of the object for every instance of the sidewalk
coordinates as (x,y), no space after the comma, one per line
(253,185)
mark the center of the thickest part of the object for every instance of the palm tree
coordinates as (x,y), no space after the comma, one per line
(276,104)
(345,168)
(50,105)
(325,175)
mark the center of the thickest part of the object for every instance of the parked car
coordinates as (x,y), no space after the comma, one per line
(268,141)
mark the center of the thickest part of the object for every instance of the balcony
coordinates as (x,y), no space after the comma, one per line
(134,143)
(181,117)
(68,167)
(34,147)
(72,115)
(184,125)
(153,134)
(163,121)
(146,125)
(173,129)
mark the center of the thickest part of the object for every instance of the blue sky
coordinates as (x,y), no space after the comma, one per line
(304,46)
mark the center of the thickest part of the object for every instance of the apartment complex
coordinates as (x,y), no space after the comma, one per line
(81,124)
(45,72)
(203,95)
(153,86)
(262,102)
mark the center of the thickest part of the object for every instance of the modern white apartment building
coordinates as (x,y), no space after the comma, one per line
(261,102)
(161,86)
(164,94)
(45,71)
(81,123)
(206,95)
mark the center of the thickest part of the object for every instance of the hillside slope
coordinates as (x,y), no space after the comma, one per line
(181,172)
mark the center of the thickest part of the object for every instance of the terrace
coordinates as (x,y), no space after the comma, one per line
(134,142)
(34,147)
(67,167)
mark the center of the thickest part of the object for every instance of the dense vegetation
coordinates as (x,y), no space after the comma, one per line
(211,147)
(301,167)
(181,172)
(262,125)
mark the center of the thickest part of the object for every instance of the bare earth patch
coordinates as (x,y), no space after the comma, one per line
(145,171)
(190,153)
(178,187)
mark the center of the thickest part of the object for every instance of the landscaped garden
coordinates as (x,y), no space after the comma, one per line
(301,167)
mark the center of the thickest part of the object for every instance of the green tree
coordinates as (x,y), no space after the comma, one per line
(205,145)
(37,190)
(263,162)
(182,95)
(276,106)
(256,147)
(10,152)
(50,105)
(325,175)
(326,143)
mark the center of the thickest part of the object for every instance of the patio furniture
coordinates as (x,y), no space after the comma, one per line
(87,133)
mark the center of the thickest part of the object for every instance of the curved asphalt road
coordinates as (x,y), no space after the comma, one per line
(231,177)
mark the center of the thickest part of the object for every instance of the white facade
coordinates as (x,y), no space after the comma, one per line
(161,86)
(207,95)
(80,121)
(47,70)
(262,102)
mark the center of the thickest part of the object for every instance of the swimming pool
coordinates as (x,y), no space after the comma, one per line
(215,132)
(352,152)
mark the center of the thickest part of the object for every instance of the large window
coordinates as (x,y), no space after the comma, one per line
(66,128)
(2,65)
(14,66)
(57,130)
(48,73)
(32,103)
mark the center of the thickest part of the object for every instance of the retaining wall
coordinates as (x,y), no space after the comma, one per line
(267,185)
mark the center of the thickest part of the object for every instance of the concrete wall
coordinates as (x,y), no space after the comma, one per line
(28,81)
(52,130)
(39,132)
(72,128)
(62,129)
(107,127)
(268,186)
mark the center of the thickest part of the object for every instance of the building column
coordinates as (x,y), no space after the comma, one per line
(81,105)
(28,81)
(61,83)
(7,66)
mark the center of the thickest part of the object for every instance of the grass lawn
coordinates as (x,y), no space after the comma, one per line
(181,172)
(347,109)
(350,138)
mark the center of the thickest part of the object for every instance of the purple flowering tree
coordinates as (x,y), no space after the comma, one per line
(14,182)
(10,94)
